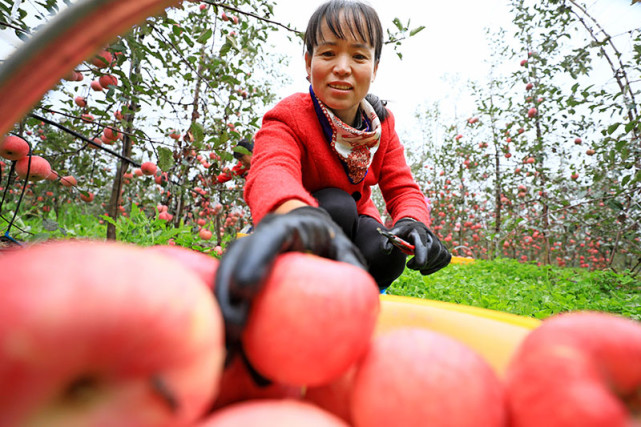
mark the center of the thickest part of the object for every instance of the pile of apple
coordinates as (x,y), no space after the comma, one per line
(107,334)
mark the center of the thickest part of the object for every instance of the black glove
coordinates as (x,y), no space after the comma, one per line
(430,255)
(247,262)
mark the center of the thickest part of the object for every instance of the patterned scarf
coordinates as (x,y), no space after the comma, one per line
(355,148)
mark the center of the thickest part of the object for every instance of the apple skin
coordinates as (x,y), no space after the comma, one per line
(272,413)
(68,181)
(418,377)
(105,334)
(148,168)
(577,369)
(14,148)
(334,397)
(203,265)
(40,168)
(311,321)
(237,385)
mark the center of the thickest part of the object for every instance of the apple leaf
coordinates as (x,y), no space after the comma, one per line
(417,30)
(205,36)
(165,158)
(613,128)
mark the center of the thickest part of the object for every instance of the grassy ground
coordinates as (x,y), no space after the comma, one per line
(503,284)
(525,289)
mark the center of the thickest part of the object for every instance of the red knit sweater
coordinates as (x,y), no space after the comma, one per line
(292,159)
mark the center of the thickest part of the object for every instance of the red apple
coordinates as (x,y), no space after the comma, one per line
(80,101)
(272,413)
(68,181)
(237,385)
(590,152)
(38,170)
(117,336)
(102,59)
(578,141)
(311,321)
(95,85)
(87,198)
(418,377)
(13,147)
(203,265)
(148,168)
(204,234)
(532,112)
(577,369)
(111,134)
(108,80)
(529,86)
(574,176)
(87,118)
(334,397)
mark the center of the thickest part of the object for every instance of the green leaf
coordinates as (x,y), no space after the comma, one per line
(205,36)
(198,132)
(417,30)
(398,24)
(613,128)
(165,158)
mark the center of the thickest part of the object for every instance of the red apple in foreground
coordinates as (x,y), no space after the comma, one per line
(203,265)
(105,334)
(272,413)
(13,147)
(237,385)
(418,377)
(37,170)
(334,397)
(577,369)
(311,321)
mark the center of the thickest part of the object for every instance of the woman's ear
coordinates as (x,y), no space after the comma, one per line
(308,64)
(375,70)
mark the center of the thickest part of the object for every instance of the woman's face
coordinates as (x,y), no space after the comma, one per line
(341,72)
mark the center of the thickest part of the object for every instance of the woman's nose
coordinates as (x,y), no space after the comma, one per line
(342,65)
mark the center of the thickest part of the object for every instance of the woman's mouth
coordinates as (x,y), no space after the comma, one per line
(340,86)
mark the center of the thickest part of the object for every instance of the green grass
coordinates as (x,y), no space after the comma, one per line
(526,289)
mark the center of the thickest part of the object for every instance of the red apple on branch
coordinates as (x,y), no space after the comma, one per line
(148,168)
(39,168)
(105,334)
(577,369)
(13,147)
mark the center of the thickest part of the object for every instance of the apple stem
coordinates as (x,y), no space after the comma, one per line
(160,387)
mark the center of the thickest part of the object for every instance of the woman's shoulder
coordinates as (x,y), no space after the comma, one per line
(293,103)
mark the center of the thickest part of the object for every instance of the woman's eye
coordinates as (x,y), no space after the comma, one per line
(327,53)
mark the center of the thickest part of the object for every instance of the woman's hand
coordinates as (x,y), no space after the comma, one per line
(248,260)
(430,255)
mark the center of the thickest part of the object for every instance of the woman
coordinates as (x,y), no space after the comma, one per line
(315,159)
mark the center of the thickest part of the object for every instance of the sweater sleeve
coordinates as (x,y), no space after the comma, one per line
(275,175)
(403,197)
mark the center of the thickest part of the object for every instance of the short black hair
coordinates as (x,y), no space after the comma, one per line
(247,145)
(363,21)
